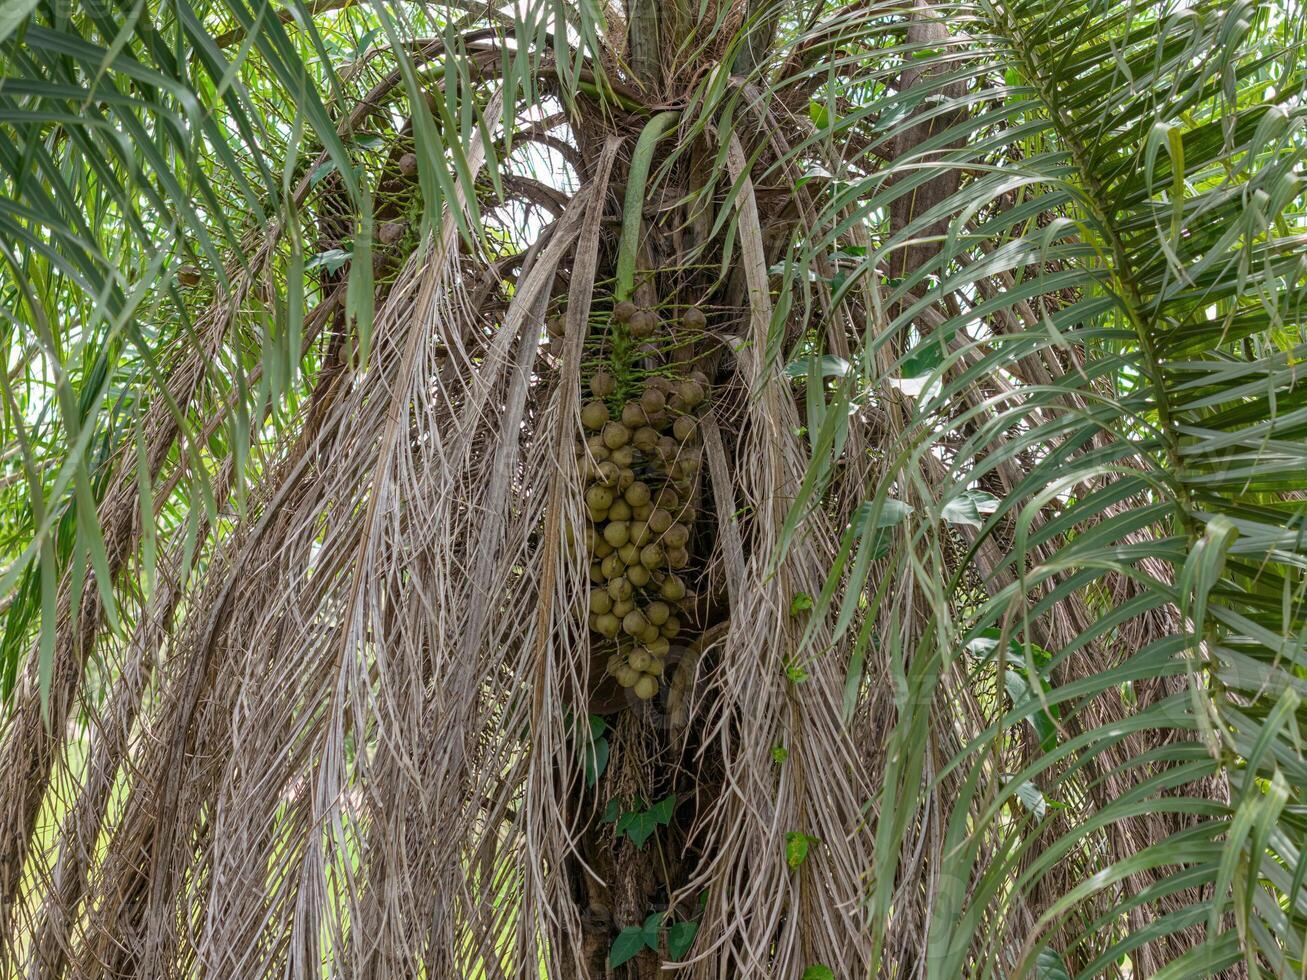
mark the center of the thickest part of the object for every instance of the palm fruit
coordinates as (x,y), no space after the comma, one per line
(624,310)
(599,497)
(628,677)
(639,659)
(640,533)
(594,415)
(619,511)
(646,687)
(634,622)
(625,478)
(694,319)
(613,566)
(639,575)
(677,557)
(633,415)
(676,537)
(617,533)
(644,439)
(607,624)
(672,589)
(616,435)
(602,384)
(641,512)
(637,493)
(650,634)
(684,428)
(629,554)
(623,456)
(620,609)
(643,324)
(619,589)
(652,400)
(659,647)
(671,627)
(600,602)
(595,447)
(597,575)
(651,556)
(656,612)
(608,474)
(692,393)
(660,520)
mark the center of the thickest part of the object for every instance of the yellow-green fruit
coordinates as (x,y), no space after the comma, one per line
(628,677)
(615,663)
(660,520)
(597,574)
(640,533)
(601,602)
(659,647)
(592,538)
(633,415)
(678,557)
(609,473)
(624,310)
(630,553)
(599,497)
(646,687)
(639,576)
(617,533)
(687,514)
(676,404)
(597,515)
(653,400)
(676,537)
(645,438)
(634,622)
(650,634)
(613,566)
(668,448)
(620,609)
(637,493)
(672,589)
(639,659)
(602,549)
(692,393)
(623,457)
(643,324)
(656,666)
(595,446)
(651,556)
(603,384)
(671,627)
(694,319)
(620,511)
(667,500)
(594,415)
(616,435)
(655,612)
(684,427)
(608,625)
(619,589)
(625,479)
(642,512)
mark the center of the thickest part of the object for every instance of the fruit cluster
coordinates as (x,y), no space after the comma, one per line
(640,463)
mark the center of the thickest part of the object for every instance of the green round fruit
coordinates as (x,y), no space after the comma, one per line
(694,319)
(656,612)
(672,589)
(645,439)
(620,609)
(609,473)
(650,634)
(671,627)
(628,677)
(603,384)
(620,511)
(640,533)
(692,393)
(616,435)
(597,575)
(601,602)
(602,548)
(633,415)
(643,324)
(629,553)
(637,493)
(594,415)
(639,659)
(639,575)
(684,428)
(625,478)
(659,521)
(678,557)
(608,625)
(619,589)
(613,566)
(623,457)
(677,536)
(659,647)
(617,533)
(653,400)
(646,687)
(642,512)
(634,623)
(624,310)
(599,497)
(651,556)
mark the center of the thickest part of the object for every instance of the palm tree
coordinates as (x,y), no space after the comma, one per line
(791,489)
